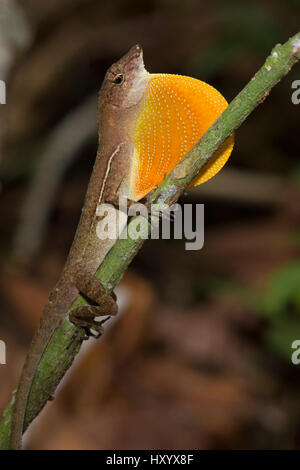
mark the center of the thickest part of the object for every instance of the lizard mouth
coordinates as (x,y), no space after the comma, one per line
(137,77)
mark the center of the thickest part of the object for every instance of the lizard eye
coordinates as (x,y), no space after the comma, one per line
(118,80)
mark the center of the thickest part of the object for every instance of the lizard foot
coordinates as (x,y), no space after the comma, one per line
(84,317)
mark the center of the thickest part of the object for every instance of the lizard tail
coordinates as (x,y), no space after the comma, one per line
(38,345)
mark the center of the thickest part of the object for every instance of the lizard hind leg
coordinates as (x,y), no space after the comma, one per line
(105,305)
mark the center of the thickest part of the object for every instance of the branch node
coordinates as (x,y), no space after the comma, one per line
(296,47)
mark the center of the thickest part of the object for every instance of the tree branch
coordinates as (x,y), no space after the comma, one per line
(66,341)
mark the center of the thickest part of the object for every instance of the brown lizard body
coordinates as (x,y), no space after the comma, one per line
(147,123)
(119,102)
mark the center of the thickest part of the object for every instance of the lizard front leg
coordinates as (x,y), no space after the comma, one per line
(84,316)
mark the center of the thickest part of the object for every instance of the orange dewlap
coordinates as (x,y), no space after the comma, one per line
(176,113)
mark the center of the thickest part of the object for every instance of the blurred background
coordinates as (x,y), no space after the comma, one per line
(200,356)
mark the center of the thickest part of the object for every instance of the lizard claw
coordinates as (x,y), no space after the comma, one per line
(97,327)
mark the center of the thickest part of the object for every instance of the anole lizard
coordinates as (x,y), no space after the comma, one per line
(147,123)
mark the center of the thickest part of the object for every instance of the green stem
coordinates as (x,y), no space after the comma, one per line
(66,341)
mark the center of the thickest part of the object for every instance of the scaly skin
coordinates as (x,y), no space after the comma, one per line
(147,123)
(118,104)
(176,112)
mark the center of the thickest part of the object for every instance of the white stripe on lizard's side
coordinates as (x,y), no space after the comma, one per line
(108,169)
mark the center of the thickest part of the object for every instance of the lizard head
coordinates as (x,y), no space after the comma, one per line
(125,82)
